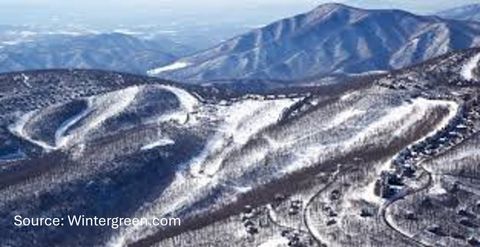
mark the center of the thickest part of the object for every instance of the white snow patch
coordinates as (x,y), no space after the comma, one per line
(105,107)
(402,112)
(60,139)
(12,42)
(241,121)
(467,70)
(101,107)
(188,101)
(271,213)
(18,129)
(127,32)
(170,67)
(242,189)
(275,242)
(25,80)
(159,143)
(420,107)
(419,111)
(344,116)
(347,96)
(67,33)
(112,104)
(437,189)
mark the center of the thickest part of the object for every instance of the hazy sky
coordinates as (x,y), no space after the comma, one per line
(109,12)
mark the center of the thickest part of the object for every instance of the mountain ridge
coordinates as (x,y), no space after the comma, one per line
(470,12)
(107,51)
(356,40)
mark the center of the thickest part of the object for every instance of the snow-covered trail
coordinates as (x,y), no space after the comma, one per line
(239,122)
(102,108)
(18,129)
(203,168)
(61,139)
(158,143)
(99,109)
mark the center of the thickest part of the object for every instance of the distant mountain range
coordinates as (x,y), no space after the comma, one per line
(108,51)
(468,13)
(331,39)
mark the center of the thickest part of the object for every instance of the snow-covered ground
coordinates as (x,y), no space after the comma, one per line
(467,70)
(240,122)
(60,135)
(241,143)
(104,107)
(187,100)
(18,129)
(420,107)
(343,117)
(275,242)
(159,143)
(99,109)
(170,67)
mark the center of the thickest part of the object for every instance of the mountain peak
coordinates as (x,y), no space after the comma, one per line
(349,14)
(331,39)
(333,7)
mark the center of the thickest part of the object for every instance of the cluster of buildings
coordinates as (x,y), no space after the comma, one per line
(458,129)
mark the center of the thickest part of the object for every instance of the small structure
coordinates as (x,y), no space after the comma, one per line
(410,216)
(295,207)
(365,213)
(387,185)
(331,222)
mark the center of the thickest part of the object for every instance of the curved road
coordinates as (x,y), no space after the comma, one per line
(384,207)
(428,185)
(310,200)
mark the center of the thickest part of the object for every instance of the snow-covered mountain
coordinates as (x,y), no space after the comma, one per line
(108,51)
(331,39)
(393,162)
(469,12)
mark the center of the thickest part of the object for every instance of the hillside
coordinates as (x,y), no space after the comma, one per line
(107,51)
(330,40)
(394,158)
